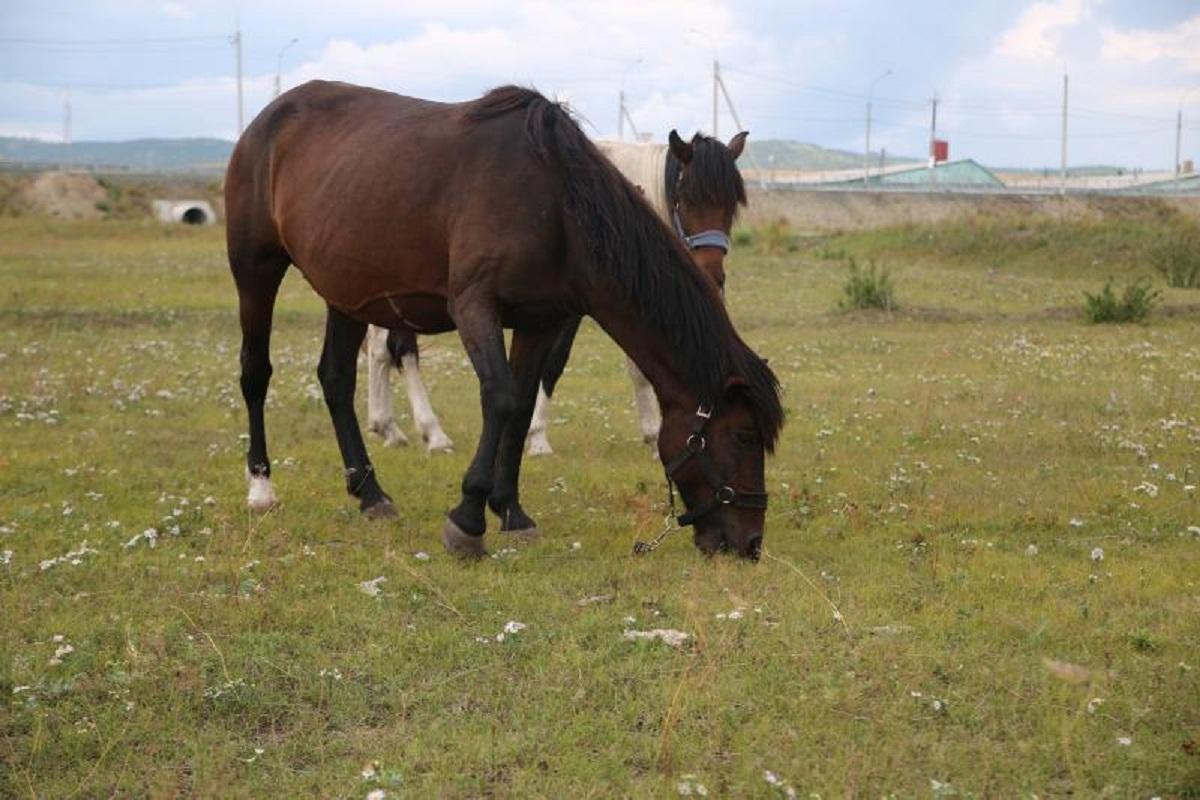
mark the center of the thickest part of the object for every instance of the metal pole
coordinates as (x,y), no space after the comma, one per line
(738,122)
(716,83)
(867,143)
(279,67)
(932,139)
(621,117)
(237,43)
(1062,185)
(1178,142)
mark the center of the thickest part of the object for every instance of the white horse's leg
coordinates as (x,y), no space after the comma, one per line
(431,431)
(538,444)
(649,416)
(380,416)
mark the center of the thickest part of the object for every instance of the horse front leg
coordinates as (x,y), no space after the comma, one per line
(479,328)
(527,358)
(338,372)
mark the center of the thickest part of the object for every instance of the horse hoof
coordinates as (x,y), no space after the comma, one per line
(539,446)
(261,497)
(439,442)
(462,544)
(381,510)
(390,433)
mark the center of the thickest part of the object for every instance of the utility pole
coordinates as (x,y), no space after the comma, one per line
(719,82)
(1062,185)
(67,123)
(716,84)
(279,67)
(932,141)
(1178,141)
(237,47)
(867,142)
(623,117)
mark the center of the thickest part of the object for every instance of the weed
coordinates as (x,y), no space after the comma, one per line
(867,288)
(1177,258)
(1134,304)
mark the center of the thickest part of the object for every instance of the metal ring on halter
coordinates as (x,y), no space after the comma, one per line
(726,494)
(691,443)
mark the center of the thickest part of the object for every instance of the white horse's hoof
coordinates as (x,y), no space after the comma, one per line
(261,497)
(460,543)
(539,445)
(390,433)
(438,442)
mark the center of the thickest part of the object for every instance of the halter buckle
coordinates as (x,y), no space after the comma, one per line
(704,413)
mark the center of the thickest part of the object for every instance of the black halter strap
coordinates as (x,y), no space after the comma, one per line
(723,492)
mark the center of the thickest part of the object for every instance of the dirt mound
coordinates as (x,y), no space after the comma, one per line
(63,194)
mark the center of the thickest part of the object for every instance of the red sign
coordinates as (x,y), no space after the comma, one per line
(941,150)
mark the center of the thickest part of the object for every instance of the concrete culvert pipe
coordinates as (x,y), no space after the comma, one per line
(194,216)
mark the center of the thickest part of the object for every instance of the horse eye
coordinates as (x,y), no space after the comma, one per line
(746,438)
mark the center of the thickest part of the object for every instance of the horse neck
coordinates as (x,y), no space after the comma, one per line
(647,348)
(645,166)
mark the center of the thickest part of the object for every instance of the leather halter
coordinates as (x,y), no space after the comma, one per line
(711,238)
(724,493)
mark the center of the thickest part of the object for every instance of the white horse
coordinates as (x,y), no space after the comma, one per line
(695,187)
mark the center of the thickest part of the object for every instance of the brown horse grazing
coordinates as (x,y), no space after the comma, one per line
(479,216)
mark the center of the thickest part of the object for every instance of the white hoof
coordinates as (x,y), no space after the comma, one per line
(261,497)
(539,445)
(438,442)
(391,433)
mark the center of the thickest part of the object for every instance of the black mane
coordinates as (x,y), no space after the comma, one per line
(630,246)
(713,178)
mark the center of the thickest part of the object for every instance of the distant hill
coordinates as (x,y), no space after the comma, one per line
(151,155)
(174,155)
(805,157)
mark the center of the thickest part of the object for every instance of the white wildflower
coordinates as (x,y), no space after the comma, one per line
(371,587)
(667,636)
(421,556)
(1124,741)
(1075,522)
(59,652)
(376,794)
(1097,554)
(1032,550)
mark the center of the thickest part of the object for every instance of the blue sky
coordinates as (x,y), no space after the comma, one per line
(798,70)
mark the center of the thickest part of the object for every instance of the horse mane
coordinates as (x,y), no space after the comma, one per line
(713,177)
(629,245)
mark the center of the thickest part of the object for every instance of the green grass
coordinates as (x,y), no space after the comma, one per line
(926,452)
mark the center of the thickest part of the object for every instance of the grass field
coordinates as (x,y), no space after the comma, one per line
(982,574)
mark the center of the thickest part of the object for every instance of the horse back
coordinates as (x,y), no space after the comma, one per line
(382,200)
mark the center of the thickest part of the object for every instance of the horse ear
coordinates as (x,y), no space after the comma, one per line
(679,148)
(737,144)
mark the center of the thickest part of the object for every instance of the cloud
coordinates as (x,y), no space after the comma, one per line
(1038,32)
(177,10)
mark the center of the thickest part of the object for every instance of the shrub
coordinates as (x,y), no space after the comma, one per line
(867,288)
(777,237)
(1177,258)
(1134,305)
(743,237)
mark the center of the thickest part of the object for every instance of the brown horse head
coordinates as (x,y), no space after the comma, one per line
(716,457)
(704,190)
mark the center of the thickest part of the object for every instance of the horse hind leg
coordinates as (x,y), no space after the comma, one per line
(381,417)
(258,276)
(556,361)
(403,348)
(649,415)
(338,372)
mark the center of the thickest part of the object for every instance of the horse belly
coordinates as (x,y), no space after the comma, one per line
(419,313)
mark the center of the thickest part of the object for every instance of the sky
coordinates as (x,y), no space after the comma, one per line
(799,70)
